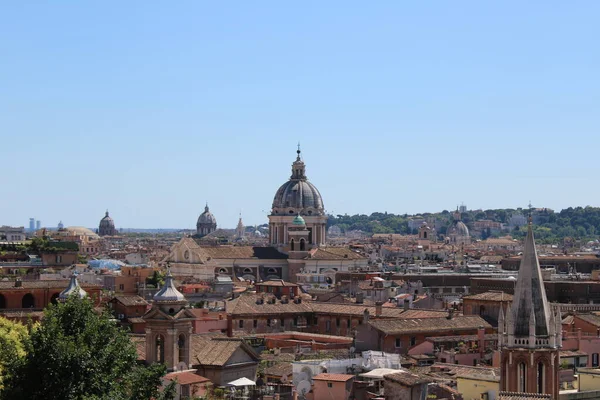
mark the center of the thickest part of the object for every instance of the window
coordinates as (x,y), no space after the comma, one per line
(160,349)
(241,323)
(413,341)
(181,346)
(540,378)
(398,343)
(595,360)
(337,322)
(121,287)
(269,322)
(255,323)
(327,326)
(521,373)
(283,322)
(329,384)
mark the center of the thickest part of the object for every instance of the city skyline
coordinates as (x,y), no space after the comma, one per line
(152,110)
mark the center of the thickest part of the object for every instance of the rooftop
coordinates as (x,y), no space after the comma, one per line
(333,377)
(428,325)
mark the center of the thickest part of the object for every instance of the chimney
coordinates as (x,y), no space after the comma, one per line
(406,304)
(18,282)
(365,316)
(284,299)
(360,298)
(298,300)
(450,313)
(378,308)
(229,325)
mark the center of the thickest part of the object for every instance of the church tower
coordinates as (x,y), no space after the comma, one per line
(240,230)
(530,334)
(169,328)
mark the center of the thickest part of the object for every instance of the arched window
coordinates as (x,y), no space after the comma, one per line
(2,301)
(181,346)
(540,377)
(292,245)
(54,298)
(424,235)
(521,377)
(481,310)
(302,245)
(160,349)
(28,301)
(222,271)
(247,270)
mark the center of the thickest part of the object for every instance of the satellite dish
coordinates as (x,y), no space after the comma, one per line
(303,387)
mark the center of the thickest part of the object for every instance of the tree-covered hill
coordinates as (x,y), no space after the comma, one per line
(574,222)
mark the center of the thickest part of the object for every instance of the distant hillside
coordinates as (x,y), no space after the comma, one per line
(577,223)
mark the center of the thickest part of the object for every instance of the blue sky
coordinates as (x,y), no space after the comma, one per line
(150,109)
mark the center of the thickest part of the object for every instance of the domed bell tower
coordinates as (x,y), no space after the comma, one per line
(169,328)
(298,246)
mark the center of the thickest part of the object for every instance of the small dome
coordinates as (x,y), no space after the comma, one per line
(207,217)
(73,288)
(298,221)
(169,292)
(459,228)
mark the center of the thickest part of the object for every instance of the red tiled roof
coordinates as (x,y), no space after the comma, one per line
(333,377)
(186,377)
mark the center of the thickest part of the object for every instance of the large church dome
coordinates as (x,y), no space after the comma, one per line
(298,195)
(107,226)
(207,217)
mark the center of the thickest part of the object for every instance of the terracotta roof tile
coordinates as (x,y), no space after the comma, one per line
(334,253)
(186,377)
(333,377)
(428,325)
(409,379)
(130,300)
(490,296)
(216,352)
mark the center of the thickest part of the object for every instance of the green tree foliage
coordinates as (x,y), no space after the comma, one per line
(574,222)
(76,353)
(157,279)
(13,336)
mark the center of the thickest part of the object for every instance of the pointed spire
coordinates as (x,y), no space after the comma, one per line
(530,302)
(206,207)
(298,152)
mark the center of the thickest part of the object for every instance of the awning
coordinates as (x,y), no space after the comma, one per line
(242,382)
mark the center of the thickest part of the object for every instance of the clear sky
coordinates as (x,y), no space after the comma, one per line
(151,108)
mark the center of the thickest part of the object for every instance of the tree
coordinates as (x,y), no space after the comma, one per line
(76,353)
(13,336)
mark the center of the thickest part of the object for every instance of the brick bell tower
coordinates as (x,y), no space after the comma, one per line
(169,328)
(530,335)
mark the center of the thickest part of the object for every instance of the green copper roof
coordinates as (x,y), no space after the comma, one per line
(298,220)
